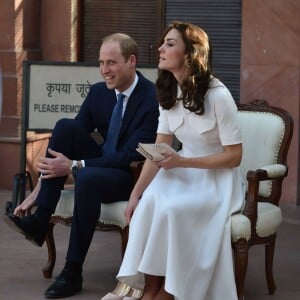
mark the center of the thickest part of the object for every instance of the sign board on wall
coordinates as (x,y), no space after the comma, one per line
(56,90)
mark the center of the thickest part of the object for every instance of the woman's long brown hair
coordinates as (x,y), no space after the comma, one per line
(196,84)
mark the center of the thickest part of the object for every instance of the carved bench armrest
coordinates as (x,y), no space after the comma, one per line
(274,171)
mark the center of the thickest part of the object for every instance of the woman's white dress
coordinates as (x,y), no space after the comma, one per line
(181,227)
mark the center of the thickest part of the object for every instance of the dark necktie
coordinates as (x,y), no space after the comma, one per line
(114,126)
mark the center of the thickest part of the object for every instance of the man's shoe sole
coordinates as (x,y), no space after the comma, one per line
(9,221)
(63,295)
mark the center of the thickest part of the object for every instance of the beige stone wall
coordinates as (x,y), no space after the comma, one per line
(270,66)
(56,30)
(19,40)
(46,30)
(29,30)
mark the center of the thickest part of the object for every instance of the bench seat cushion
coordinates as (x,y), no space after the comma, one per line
(111,213)
(269,217)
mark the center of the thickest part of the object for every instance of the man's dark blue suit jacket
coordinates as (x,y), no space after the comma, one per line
(139,123)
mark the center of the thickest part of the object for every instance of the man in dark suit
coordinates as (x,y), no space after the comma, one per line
(101,172)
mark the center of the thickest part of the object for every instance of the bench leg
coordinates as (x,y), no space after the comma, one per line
(240,249)
(48,269)
(269,255)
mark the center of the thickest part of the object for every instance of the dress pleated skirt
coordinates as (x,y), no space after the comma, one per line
(181,230)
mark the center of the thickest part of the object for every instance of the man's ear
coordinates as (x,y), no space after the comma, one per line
(132,60)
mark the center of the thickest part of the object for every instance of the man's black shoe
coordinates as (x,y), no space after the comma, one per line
(29,226)
(65,285)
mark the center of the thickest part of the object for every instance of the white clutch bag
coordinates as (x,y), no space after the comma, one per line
(154,152)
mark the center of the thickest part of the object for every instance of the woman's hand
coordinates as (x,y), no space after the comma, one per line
(131,206)
(171,161)
(148,172)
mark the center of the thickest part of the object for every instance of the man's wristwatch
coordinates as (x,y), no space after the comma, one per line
(74,167)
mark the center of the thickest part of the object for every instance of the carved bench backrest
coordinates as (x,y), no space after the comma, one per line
(262,138)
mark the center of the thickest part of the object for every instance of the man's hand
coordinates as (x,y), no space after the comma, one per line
(24,208)
(58,166)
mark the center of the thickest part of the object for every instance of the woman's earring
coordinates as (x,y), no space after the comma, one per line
(187,63)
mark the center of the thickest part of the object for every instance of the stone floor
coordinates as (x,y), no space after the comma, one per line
(21,263)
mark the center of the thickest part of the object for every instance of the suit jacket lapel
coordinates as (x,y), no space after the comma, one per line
(133,104)
(131,108)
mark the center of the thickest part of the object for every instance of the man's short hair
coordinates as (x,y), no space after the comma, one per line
(127,44)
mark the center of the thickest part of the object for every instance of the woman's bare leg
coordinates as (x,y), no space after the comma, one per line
(25,207)
(163,294)
(152,286)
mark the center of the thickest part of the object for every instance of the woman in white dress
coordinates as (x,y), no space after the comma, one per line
(179,210)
